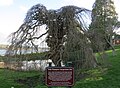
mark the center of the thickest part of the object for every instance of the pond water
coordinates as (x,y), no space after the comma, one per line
(2,52)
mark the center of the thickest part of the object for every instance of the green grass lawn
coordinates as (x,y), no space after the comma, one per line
(9,78)
(101,77)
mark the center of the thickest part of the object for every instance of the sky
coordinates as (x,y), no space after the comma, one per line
(13,12)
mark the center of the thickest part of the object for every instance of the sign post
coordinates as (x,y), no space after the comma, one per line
(60,76)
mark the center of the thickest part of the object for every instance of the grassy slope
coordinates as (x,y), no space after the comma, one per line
(110,78)
(7,78)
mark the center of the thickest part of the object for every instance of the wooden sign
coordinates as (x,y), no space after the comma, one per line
(59,76)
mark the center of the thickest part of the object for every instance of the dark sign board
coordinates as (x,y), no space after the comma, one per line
(59,76)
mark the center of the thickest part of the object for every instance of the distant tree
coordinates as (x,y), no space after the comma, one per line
(104,20)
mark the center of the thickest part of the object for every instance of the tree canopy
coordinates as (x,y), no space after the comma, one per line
(65,34)
(104,21)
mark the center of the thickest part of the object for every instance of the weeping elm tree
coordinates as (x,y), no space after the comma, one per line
(65,35)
